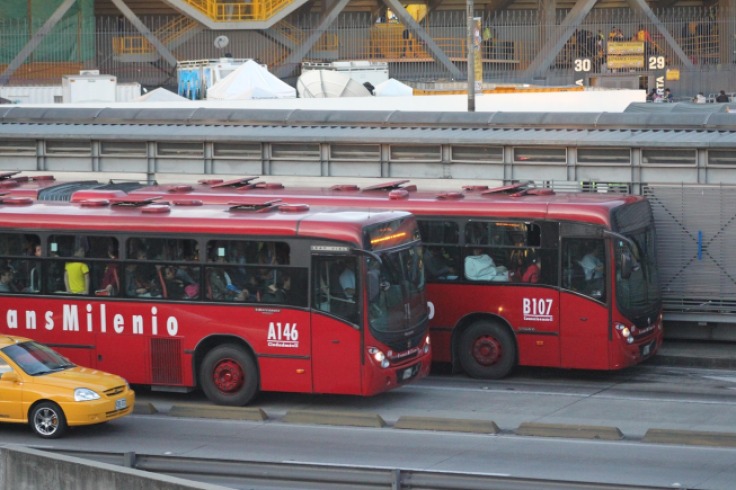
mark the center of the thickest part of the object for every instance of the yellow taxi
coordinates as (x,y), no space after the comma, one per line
(41,387)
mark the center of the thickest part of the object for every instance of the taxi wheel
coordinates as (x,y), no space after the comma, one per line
(47,420)
(487,350)
(229,376)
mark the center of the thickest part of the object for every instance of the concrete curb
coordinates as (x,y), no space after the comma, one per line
(334,418)
(216,412)
(144,409)
(690,438)
(569,431)
(449,425)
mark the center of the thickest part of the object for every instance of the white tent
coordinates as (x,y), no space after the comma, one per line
(392,88)
(250,81)
(328,83)
(160,95)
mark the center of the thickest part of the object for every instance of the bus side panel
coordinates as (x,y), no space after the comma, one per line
(448,310)
(534,313)
(584,333)
(336,356)
(282,339)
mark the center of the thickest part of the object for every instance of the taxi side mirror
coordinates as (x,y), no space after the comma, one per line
(10,377)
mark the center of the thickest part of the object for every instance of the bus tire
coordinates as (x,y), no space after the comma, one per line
(47,420)
(487,350)
(229,376)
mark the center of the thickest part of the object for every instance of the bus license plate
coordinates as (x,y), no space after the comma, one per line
(408,373)
(121,404)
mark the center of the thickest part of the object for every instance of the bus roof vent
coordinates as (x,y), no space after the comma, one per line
(133,201)
(7,175)
(162,208)
(7,184)
(450,195)
(388,186)
(398,194)
(508,189)
(93,203)
(269,185)
(180,189)
(209,181)
(16,201)
(475,188)
(533,192)
(254,205)
(40,177)
(94,194)
(242,181)
(345,187)
(187,202)
(294,208)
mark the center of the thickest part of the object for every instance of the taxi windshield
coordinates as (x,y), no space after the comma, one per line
(36,359)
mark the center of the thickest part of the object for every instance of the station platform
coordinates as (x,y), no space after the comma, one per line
(695,353)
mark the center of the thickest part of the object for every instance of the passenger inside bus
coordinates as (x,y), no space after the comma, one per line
(140,278)
(110,284)
(6,279)
(479,266)
(436,266)
(76,274)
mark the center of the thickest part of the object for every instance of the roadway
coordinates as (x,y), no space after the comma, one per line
(633,401)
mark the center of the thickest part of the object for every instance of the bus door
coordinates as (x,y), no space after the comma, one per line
(336,325)
(584,318)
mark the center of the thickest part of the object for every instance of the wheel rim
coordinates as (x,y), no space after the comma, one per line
(228,376)
(487,350)
(46,421)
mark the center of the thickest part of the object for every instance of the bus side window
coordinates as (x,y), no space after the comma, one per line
(333,280)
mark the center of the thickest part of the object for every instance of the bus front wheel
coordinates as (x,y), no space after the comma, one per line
(487,350)
(229,376)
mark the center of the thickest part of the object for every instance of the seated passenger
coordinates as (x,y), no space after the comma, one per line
(532,271)
(435,265)
(278,291)
(480,267)
(6,279)
(174,285)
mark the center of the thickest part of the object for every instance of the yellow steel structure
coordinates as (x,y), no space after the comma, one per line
(239,11)
(167,34)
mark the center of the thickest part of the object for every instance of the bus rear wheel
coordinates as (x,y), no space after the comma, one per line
(229,376)
(487,350)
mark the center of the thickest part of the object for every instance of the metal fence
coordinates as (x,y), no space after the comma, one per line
(695,47)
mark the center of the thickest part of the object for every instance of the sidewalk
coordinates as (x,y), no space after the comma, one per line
(717,355)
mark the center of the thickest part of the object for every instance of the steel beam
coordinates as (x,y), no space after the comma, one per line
(146,32)
(35,41)
(419,33)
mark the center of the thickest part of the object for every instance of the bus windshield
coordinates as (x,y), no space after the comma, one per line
(638,294)
(396,299)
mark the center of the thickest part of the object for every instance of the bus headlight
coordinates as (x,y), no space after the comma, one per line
(378,356)
(427,344)
(625,332)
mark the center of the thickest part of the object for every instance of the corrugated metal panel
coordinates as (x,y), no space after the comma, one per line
(696,228)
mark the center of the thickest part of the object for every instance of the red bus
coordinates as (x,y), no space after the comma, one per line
(549,308)
(254,296)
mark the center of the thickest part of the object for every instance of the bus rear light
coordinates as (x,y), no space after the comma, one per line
(379,357)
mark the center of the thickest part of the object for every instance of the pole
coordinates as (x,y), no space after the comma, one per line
(471,59)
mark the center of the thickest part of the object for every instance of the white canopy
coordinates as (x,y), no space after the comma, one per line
(328,83)
(160,95)
(392,88)
(250,81)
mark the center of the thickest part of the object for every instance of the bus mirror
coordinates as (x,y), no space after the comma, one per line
(626,265)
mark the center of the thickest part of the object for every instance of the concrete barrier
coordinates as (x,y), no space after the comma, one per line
(218,412)
(146,408)
(326,417)
(569,431)
(22,467)
(449,425)
(690,438)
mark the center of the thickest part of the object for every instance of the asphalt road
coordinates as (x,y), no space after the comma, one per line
(634,401)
